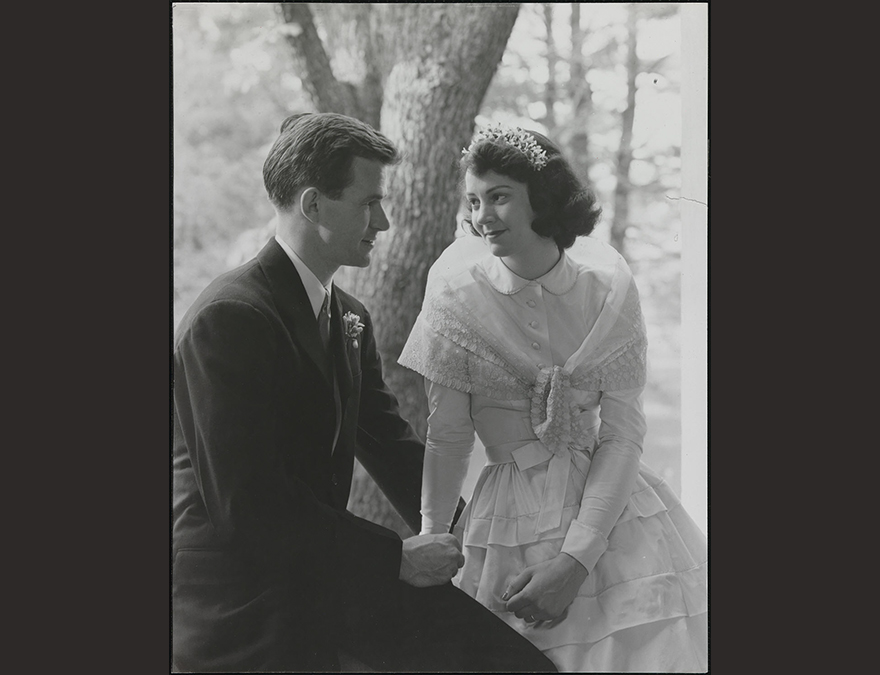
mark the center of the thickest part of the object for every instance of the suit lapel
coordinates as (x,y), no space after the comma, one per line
(297,315)
(293,304)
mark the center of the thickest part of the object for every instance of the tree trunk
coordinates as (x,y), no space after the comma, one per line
(581,96)
(371,90)
(552,58)
(313,64)
(435,62)
(624,153)
(432,95)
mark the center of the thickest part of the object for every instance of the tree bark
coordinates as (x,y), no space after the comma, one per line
(313,64)
(581,95)
(552,58)
(624,153)
(370,93)
(432,95)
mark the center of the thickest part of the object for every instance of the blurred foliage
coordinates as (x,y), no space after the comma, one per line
(234,83)
(232,88)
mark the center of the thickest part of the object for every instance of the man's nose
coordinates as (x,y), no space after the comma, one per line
(378,220)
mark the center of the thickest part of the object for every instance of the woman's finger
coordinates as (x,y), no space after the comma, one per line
(515,587)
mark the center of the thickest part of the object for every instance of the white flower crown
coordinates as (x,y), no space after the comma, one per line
(516,137)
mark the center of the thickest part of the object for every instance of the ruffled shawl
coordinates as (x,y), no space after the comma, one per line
(458,337)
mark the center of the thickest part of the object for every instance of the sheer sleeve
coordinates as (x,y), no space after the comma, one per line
(448,451)
(612,475)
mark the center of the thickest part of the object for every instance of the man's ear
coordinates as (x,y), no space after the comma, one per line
(308,204)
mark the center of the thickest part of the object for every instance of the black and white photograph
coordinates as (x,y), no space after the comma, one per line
(440,337)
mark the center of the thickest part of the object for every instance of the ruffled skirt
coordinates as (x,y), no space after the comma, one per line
(644,607)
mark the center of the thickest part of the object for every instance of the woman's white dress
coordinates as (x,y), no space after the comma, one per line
(549,373)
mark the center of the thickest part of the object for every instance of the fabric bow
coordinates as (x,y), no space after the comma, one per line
(551,422)
(551,409)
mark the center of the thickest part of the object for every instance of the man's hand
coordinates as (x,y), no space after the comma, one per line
(430,559)
(544,591)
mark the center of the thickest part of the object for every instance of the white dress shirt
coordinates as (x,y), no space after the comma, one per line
(314,288)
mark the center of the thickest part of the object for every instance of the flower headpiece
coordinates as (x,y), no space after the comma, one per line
(518,138)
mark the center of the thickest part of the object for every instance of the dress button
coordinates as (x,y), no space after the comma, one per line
(334,479)
(533,324)
(530,303)
(535,345)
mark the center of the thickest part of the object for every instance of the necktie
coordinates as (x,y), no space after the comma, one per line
(324,330)
(324,322)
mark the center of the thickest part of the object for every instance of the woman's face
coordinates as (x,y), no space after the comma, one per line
(502,214)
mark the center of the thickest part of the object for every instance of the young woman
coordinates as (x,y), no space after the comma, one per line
(539,347)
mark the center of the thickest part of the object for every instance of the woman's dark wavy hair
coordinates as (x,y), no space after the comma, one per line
(564,208)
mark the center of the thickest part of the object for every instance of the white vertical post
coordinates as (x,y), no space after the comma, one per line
(694,274)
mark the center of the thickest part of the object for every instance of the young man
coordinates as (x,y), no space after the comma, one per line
(277,387)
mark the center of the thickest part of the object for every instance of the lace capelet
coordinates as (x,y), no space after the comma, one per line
(455,340)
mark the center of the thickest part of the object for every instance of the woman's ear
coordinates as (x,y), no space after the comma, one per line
(308,204)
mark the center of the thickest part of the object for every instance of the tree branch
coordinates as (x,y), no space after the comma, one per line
(371,91)
(650,66)
(312,63)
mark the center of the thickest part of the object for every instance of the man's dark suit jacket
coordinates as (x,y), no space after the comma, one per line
(265,556)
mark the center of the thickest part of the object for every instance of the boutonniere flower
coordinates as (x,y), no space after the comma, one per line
(353,327)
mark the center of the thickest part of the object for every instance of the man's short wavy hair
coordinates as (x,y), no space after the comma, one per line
(317,150)
(564,208)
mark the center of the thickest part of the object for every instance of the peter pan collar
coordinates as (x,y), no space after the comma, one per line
(558,281)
